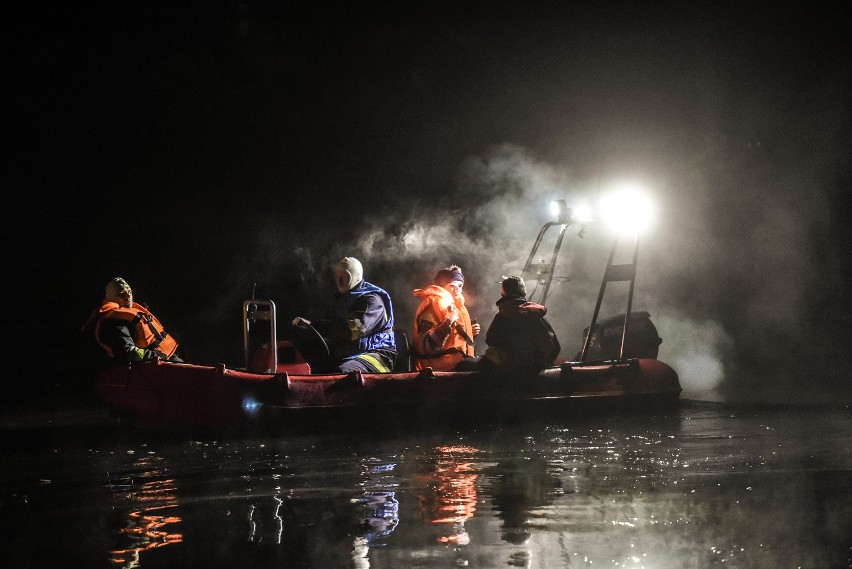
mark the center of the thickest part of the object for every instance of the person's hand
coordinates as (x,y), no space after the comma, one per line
(357,329)
(475,327)
(452,314)
(300,322)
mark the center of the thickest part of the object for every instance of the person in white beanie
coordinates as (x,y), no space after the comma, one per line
(359,329)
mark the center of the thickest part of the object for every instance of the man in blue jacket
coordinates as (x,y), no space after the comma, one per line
(359,329)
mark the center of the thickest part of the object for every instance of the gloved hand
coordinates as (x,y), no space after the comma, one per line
(300,322)
(357,329)
(475,327)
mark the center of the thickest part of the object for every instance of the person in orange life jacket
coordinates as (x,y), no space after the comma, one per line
(443,330)
(520,338)
(127,331)
(359,327)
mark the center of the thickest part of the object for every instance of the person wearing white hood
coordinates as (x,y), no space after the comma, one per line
(359,329)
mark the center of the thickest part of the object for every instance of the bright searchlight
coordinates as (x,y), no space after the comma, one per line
(560,210)
(627,210)
(583,213)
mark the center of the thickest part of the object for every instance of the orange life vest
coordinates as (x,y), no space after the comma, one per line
(147,331)
(438,300)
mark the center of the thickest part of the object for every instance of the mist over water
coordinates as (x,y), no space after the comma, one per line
(728,305)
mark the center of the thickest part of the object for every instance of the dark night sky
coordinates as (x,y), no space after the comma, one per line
(199,150)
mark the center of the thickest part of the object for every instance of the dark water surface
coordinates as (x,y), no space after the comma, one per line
(709,485)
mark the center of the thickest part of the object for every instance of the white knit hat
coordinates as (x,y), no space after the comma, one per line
(352,267)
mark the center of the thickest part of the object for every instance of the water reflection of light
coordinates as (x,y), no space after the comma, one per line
(152,506)
(380,514)
(379,510)
(279,522)
(451,495)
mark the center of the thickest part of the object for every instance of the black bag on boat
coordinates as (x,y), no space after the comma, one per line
(642,339)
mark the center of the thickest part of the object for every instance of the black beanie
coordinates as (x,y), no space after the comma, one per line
(514,286)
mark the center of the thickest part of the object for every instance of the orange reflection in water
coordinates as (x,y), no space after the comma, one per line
(451,496)
(151,509)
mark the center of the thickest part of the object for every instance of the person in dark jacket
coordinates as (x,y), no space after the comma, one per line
(127,331)
(519,339)
(359,328)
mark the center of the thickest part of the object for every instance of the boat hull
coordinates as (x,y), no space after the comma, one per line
(170,395)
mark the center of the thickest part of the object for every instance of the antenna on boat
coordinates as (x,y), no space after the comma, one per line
(252,308)
(250,317)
